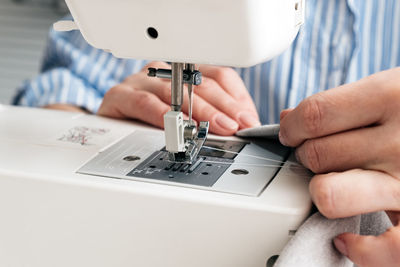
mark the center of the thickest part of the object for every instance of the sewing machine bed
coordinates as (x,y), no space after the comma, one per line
(63,206)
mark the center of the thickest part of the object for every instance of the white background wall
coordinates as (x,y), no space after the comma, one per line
(23,32)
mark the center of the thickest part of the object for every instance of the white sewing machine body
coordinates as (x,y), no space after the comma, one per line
(238,33)
(53,216)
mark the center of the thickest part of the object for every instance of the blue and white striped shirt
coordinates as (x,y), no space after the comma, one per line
(342,41)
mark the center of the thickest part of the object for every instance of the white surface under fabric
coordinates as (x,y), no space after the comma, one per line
(312,246)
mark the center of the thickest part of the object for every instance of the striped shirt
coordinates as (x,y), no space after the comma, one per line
(341,41)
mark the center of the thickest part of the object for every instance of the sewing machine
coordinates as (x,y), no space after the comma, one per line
(81,190)
(241,34)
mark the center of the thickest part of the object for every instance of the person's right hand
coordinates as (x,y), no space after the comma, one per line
(349,136)
(221,99)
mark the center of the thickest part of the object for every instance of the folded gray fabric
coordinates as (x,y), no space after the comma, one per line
(313,243)
(375,223)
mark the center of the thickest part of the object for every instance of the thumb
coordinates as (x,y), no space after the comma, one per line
(371,251)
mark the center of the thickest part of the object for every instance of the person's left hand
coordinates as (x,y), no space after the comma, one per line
(222,99)
(350,137)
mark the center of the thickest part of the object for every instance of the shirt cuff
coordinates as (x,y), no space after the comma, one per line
(59,86)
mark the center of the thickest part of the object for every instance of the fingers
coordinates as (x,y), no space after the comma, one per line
(371,251)
(220,123)
(339,195)
(347,150)
(220,99)
(347,107)
(211,101)
(123,102)
(231,82)
(203,110)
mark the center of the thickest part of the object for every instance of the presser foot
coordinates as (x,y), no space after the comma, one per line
(194,141)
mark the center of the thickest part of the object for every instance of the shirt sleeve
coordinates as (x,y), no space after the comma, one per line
(59,86)
(72,72)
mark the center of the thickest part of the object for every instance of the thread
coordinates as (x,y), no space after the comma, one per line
(252,156)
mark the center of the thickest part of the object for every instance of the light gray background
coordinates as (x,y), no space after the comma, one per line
(24,25)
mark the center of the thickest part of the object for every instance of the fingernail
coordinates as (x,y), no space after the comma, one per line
(226,122)
(248,119)
(282,139)
(341,246)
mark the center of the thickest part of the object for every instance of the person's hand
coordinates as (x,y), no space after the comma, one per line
(221,99)
(350,137)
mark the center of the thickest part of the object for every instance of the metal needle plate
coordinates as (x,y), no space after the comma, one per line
(203,172)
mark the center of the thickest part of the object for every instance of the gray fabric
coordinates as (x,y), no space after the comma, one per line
(375,223)
(312,245)
(266,131)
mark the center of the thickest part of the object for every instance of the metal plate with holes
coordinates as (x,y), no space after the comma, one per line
(205,172)
(221,148)
(238,167)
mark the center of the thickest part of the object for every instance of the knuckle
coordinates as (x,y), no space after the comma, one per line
(322,193)
(142,100)
(109,106)
(312,154)
(312,115)
(115,91)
